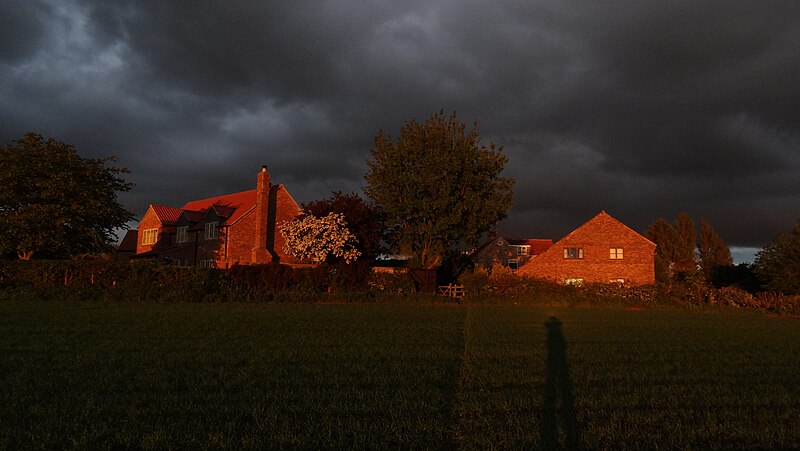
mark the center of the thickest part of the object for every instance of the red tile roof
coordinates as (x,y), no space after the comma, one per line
(167,215)
(237,204)
(223,211)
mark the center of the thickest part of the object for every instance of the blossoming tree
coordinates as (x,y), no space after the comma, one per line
(320,239)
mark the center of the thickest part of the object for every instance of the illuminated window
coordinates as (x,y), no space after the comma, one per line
(617,281)
(573,253)
(211,230)
(513,263)
(149,236)
(522,250)
(576,281)
(615,253)
(182,234)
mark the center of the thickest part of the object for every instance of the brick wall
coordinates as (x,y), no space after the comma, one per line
(149,221)
(184,253)
(596,238)
(241,239)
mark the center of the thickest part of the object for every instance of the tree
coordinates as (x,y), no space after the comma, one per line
(362,219)
(437,186)
(778,264)
(713,250)
(686,259)
(668,248)
(54,203)
(320,239)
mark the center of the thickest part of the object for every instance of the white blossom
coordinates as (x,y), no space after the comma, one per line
(312,238)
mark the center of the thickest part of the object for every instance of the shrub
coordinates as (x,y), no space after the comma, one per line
(392,282)
(475,282)
(645,294)
(732,296)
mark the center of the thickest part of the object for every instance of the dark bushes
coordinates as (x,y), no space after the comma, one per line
(154,281)
(158,281)
(500,285)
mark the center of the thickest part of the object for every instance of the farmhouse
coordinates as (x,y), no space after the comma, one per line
(238,228)
(602,250)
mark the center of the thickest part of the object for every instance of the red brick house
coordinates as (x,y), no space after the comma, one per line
(238,228)
(601,250)
(511,252)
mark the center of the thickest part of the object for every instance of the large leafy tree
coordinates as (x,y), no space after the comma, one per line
(54,203)
(778,264)
(437,186)
(361,217)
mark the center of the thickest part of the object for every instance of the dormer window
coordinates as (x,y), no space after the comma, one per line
(149,236)
(182,234)
(573,253)
(211,230)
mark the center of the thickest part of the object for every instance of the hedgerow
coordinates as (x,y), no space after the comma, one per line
(156,281)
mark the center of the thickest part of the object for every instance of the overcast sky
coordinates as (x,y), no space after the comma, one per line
(644,109)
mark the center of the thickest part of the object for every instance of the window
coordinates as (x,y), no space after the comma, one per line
(576,281)
(182,234)
(615,253)
(573,253)
(522,250)
(211,230)
(208,264)
(617,281)
(149,236)
(513,263)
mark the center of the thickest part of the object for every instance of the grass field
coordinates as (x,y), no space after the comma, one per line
(94,375)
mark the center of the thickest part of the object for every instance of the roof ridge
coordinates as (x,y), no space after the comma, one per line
(215,197)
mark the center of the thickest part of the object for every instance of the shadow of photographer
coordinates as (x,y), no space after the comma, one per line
(558,408)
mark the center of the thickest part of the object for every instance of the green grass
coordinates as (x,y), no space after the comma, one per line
(100,375)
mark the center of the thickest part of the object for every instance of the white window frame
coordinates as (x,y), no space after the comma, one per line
(576,281)
(212,230)
(182,234)
(617,281)
(149,237)
(513,263)
(523,250)
(615,253)
(208,264)
(573,253)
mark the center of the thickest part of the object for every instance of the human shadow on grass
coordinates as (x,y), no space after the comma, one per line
(558,408)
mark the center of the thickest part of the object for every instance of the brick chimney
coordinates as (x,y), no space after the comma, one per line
(260,253)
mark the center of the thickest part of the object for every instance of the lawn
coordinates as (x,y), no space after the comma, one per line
(100,375)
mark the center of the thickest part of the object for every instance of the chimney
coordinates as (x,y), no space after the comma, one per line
(263,186)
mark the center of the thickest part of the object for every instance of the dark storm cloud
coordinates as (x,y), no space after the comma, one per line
(644,110)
